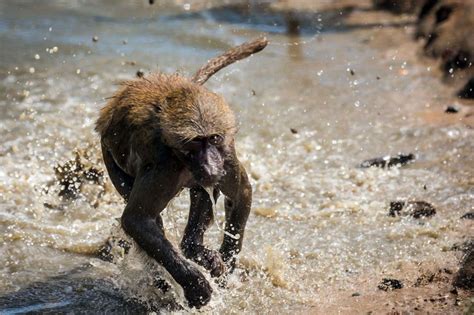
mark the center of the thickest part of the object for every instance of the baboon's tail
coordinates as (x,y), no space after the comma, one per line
(227,58)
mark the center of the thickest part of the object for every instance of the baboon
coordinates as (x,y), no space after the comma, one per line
(447,26)
(162,133)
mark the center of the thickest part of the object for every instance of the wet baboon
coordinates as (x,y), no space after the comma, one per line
(162,133)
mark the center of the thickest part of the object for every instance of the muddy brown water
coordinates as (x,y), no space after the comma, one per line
(319,229)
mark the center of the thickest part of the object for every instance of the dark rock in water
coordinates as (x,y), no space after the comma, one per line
(468,216)
(416,209)
(61,296)
(465,276)
(420,209)
(293,131)
(106,252)
(161,284)
(389,161)
(396,208)
(468,90)
(140,73)
(78,291)
(451,109)
(463,247)
(390,284)
(399,6)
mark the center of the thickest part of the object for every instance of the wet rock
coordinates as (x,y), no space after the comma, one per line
(161,284)
(112,248)
(399,6)
(463,247)
(69,295)
(293,131)
(430,276)
(140,73)
(389,161)
(388,284)
(451,109)
(468,216)
(415,209)
(465,276)
(468,90)
(79,291)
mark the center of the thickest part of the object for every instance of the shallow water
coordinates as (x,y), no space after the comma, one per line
(319,227)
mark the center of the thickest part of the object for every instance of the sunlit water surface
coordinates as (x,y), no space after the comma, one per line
(319,222)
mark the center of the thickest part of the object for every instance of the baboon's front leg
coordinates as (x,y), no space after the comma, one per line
(142,221)
(200,217)
(238,192)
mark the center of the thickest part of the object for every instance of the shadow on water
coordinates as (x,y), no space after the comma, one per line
(77,292)
(264,17)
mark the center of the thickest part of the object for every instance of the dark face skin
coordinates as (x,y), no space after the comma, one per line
(204,157)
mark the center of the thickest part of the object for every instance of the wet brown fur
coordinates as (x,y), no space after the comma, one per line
(166,106)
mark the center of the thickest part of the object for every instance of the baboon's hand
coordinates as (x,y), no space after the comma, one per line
(197,291)
(210,259)
(229,260)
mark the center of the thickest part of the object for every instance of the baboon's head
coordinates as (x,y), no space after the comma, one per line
(200,127)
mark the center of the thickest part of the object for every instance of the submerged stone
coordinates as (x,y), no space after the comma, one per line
(451,109)
(468,216)
(390,284)
(389,161)
(465,276)
(415,209)
(112,248)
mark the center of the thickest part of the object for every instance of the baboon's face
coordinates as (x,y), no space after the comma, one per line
(204,157)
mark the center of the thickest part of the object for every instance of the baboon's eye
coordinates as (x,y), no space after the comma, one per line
(215,139)
(443,13)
